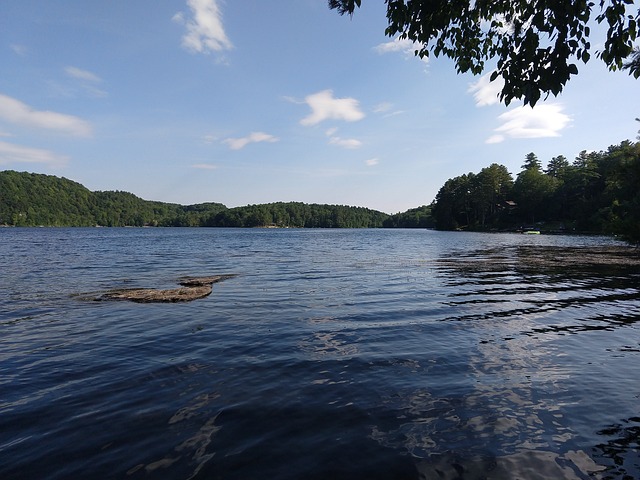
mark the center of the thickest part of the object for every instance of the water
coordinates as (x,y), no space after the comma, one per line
(342,354)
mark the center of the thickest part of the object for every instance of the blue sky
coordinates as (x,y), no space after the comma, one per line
(248,101)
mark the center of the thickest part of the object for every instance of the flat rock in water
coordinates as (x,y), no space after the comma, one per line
(192,288)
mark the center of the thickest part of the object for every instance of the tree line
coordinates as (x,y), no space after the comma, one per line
(597,192)
(30,199)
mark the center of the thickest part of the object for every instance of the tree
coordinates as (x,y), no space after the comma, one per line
(531,162)
(491,187)
(533,189)
(557,167)
(535,43)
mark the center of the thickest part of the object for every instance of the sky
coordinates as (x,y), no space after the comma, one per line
(251,101)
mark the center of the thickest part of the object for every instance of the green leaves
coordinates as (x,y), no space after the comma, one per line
(535,44)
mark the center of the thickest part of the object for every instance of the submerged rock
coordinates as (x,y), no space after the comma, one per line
(192,288)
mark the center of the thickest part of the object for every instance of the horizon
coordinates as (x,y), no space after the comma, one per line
(242,103)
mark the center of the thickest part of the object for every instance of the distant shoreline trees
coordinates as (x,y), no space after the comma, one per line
(30,199)
(599,192)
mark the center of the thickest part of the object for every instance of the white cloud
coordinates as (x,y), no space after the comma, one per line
(254,137)
(485,92)
(403,45)
(88,80)
(14,111)
(341,142)
(325,107)
(495,139)
(345,142)
(210,138)
(204,166)
(372,162)
(11,153)
(80,74)
(525,122)
(382,107)
(205,32)
(385,109)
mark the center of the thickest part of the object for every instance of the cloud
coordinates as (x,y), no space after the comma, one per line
(14,111)
(341,142)
(80,74)
(485,92)
(403,45)
(345,142)
(205,32)
(372,162)
(385,109)
(204,166)
(209,138)
(254,137)
(87,79)
(525,122)
(325,107)
(11,153)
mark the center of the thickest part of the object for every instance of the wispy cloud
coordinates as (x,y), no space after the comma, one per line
(254,137)
(11,153)
(89,81)
(210,138)
(205,32)
(383,107)
(372,162)
(485,92)
(525,122)
(81,74)
(341,142)
(16,112)
(325,107)
(386,110)
(403,45)
(345,142)
(204,166)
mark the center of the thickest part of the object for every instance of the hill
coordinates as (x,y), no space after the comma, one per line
(30,199)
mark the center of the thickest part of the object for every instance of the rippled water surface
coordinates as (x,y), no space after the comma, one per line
(334,354)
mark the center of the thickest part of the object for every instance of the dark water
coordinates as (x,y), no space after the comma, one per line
(334,354)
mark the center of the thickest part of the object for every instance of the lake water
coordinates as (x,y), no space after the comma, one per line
(334,354)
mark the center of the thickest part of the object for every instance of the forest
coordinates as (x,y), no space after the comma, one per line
(30,199)
(598,192)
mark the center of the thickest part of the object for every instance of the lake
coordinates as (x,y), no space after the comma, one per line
(333,354)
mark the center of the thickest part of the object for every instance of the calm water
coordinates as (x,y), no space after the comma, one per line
(334,354)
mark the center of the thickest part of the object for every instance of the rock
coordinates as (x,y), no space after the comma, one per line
(192,288)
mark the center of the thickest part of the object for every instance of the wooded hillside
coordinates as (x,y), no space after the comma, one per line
(29,199)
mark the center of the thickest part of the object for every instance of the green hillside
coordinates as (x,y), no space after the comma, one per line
(30,199)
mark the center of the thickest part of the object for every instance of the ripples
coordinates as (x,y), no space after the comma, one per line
(333,354)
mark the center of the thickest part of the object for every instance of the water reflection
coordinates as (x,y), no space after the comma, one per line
(515,418)
(622,438)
